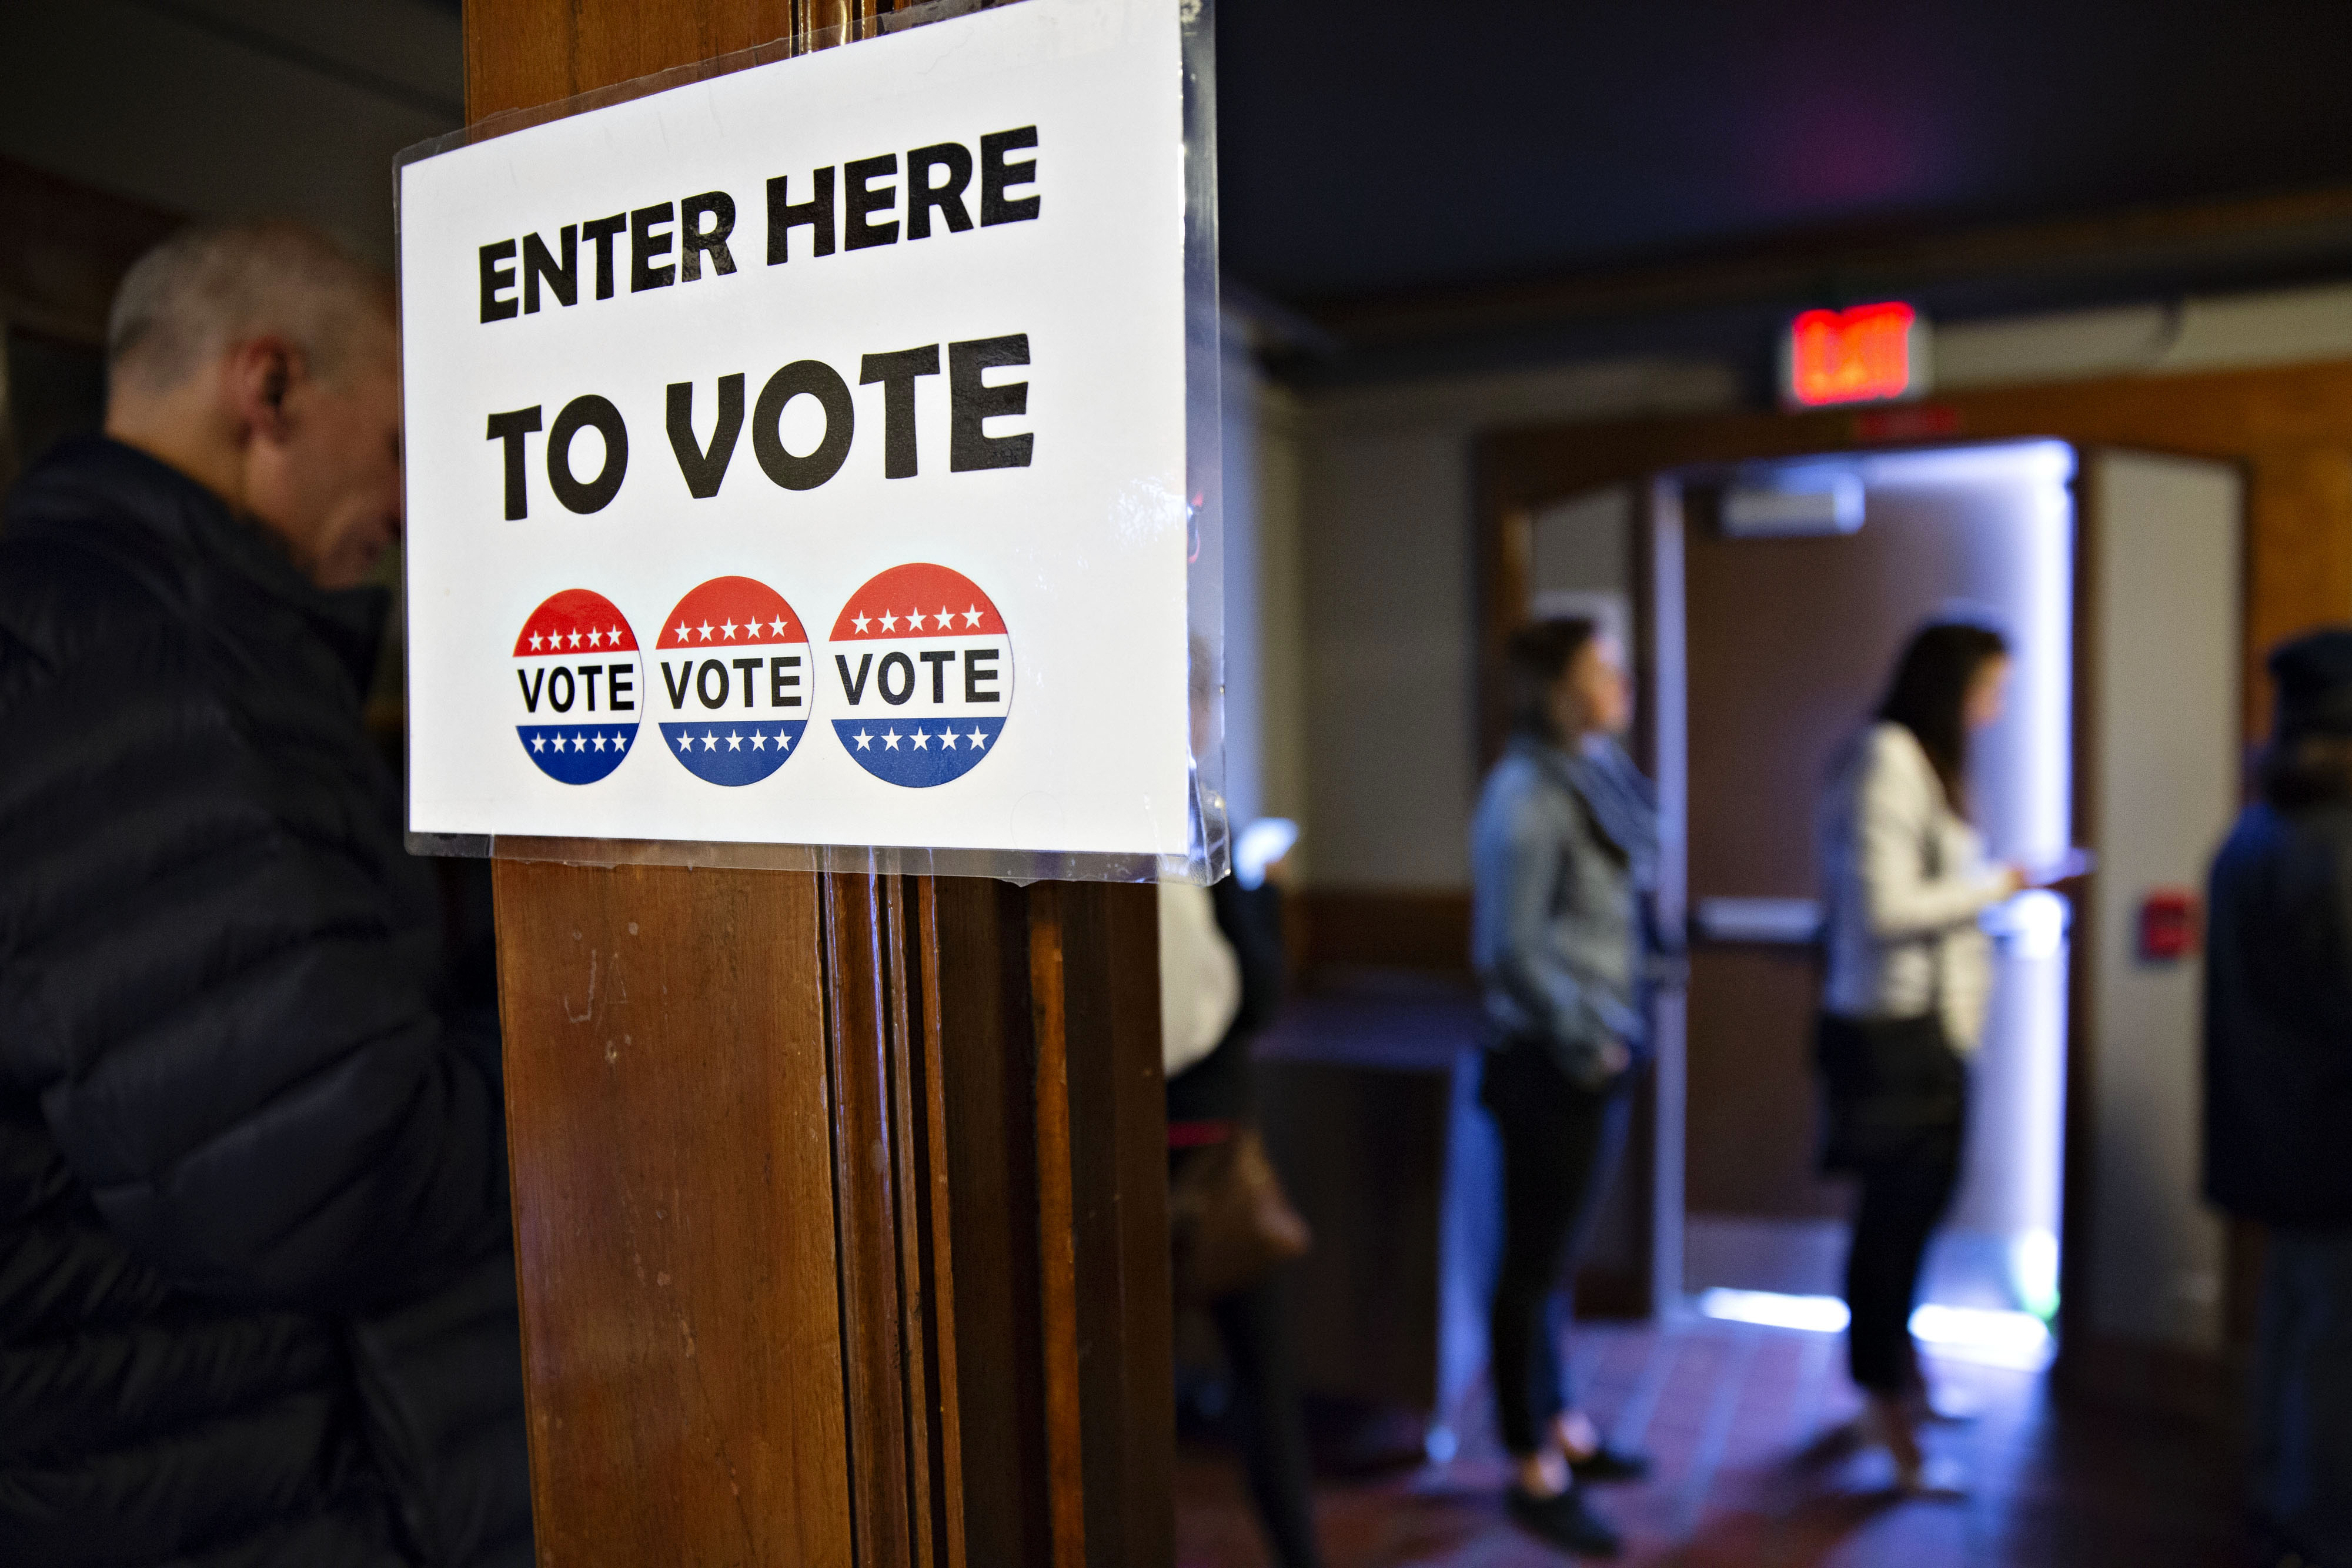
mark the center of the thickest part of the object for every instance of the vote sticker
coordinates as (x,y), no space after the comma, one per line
(577,684)
(921,664)
(733,685)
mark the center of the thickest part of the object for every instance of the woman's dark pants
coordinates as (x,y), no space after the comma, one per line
(2302,1436)
(1268,1423)
(1267,1418)
(1560,1146)
(1902,1199)
(1897,1097)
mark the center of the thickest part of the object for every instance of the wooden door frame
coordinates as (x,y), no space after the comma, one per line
(2288,428)
(840,1200)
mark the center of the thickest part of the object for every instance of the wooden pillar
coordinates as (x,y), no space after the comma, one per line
(840,1200)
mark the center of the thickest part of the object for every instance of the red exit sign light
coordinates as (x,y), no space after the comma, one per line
(1869,353)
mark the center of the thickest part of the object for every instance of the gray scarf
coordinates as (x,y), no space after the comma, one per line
(1622,804)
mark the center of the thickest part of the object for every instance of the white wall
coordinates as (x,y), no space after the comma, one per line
(1388,603)
(2165,621)
(228,107)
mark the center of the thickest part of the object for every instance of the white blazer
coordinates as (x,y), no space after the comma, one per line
(1905,879)
(1200,976)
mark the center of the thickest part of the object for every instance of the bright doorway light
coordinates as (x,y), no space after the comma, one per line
(1984,1335)
(1814,1315)
(1980,1334)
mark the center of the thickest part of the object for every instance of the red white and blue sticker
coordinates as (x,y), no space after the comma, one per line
(921,662)
(733,684)
(577,686)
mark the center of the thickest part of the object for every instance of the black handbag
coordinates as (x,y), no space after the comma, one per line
(1895,1090)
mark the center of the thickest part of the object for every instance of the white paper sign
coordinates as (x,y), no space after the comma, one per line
(798,456)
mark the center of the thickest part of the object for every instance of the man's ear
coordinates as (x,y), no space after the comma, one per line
(261,374)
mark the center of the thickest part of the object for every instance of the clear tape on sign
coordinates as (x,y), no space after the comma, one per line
(788,713)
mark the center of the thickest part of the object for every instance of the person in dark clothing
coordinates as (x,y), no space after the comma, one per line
(257,1282)
(1563,844)
(2278,1091)
(1210,1102)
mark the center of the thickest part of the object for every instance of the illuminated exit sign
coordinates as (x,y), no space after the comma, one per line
(1868,353)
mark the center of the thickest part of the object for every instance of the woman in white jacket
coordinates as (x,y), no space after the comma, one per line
(1909,972)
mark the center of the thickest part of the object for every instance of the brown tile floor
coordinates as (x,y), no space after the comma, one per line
(1741,1422)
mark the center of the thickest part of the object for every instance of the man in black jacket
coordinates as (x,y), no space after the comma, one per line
(256,1287)
(2278,1092)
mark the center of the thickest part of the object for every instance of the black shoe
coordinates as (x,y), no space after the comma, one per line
(1564,1522)
(1608,1464)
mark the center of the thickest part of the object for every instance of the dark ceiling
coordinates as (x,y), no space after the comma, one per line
(1376,147)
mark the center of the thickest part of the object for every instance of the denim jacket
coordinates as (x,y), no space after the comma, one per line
(1560,848)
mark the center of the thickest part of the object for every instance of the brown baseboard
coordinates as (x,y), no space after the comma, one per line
(2162,1381)
(1382,928)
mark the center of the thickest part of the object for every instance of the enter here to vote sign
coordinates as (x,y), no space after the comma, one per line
(798,456)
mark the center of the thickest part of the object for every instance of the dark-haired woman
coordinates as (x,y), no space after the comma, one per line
(1909,973)
(1564,838)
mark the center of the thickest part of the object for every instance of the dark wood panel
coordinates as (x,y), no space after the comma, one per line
(673,1213)
(868,1224)
(1751,1129)
(1382,928)
(909,1134)
(1118,1166)
(1362,1153)
(987,1101)
(64,248)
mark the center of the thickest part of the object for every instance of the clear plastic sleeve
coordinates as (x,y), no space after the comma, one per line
(1207,857)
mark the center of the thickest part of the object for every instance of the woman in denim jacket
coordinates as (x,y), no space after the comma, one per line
(1564,842)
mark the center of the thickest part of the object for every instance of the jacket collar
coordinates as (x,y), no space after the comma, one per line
(212,551)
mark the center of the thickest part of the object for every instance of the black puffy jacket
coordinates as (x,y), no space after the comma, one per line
(2278,1018)
(256,1291)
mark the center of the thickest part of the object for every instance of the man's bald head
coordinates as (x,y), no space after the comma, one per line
(260,360)
(215,284)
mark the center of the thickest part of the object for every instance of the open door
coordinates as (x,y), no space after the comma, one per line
(2159,777)
(1798,583)
(1759,648)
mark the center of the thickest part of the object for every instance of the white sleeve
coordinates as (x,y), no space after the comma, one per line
(1200,977)
(1896,810)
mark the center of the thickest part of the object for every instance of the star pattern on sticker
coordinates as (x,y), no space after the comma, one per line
(978,740)
(922,741)
(890,740)
(734,742)
(946,618)
(595,638)
(685,743)
(971,617)
(706,630)
(861,622)
(535,641)
(561,742)
(890,622)
(728,627)
(865,741)
(683,632)
(710,741)
(914,619)
(948,739)
(575,639)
